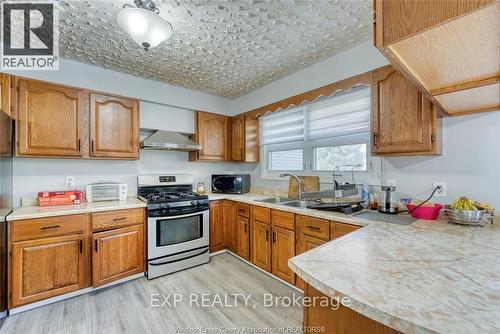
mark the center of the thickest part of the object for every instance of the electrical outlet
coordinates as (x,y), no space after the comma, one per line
(440,192)
(70,181)
(392,183)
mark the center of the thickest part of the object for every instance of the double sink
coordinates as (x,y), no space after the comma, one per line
(285,201)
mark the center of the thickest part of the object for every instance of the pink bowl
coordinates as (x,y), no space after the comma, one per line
(425,212)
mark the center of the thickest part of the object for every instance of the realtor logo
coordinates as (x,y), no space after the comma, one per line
(30,35)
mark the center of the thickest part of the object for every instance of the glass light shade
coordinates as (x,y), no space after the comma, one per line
(145,27)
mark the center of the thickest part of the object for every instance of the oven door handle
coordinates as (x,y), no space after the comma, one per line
(180,216)
(179,259)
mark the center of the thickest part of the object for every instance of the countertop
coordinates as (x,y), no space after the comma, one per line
(428,277)
(30,212)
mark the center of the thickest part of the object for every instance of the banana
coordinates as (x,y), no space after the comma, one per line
(464,203)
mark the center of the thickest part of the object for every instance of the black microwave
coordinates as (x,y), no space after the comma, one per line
(231,183)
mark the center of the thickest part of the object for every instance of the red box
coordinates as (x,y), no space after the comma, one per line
(52,198)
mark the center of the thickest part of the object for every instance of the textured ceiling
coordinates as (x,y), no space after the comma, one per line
(226,48)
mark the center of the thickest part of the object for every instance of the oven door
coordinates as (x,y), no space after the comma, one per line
(174,234)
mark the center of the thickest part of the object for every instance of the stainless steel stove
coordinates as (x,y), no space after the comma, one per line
(178,223)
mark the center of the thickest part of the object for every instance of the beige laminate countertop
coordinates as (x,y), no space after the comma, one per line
(30,212)
(427,277)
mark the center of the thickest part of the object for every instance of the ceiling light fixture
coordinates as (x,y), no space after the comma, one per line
(144,24)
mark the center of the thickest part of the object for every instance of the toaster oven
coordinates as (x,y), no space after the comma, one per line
(106,191)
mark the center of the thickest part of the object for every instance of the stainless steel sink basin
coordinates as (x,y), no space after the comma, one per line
(275,200)
(296,204)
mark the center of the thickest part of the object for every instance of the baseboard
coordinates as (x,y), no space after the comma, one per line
(258,268)
(218,252)
(71,295)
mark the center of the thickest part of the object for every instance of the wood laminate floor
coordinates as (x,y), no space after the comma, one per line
(127,308)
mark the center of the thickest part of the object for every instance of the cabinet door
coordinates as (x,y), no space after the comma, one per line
(216,226)
(243,238)
(117,253)
(283,249)
(238,138)
(114,127)
(404,122)
(45,268)
(5,93)
(230,221)
(211,134)
(338,230)
(251,139)
(50,119)
(261,245)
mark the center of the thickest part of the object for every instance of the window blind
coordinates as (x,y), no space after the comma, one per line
(345,114)
(282,127)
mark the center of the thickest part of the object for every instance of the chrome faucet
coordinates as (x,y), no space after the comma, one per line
(301,194)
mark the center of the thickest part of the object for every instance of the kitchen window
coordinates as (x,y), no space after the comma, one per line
(318,137)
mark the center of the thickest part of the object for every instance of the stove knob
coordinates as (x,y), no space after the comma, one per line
(194,202)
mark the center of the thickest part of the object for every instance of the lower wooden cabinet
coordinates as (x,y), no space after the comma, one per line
(243,237)
(216,226)
(333,318)
(44,268)
(338,230)
(261,245)
(306,243)
(117,253)
(229,228)
(283,248)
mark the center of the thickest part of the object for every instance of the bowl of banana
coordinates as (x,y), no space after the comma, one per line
(468,212)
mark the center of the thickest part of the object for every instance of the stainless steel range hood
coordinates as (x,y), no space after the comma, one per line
(169,140)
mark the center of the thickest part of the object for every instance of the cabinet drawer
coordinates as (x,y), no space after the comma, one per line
(315,227)
(283,219)
(244,210)
(48,227)
(261,214)
(338,230)
(114,219)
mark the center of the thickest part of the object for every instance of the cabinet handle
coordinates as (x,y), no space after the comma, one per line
(50,227)
(79,144)
(246,227)
(81,246)
(374,138)
(118,219)
(314,228)
(96,245)
(92,146)
(242,210)
(274,237)
(267,235)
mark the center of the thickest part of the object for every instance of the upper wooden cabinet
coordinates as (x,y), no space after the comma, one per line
(114,127)
(55,121)
(447,48)
(50,120)
(5,89)
(224,138)
(404,121)
(238,138)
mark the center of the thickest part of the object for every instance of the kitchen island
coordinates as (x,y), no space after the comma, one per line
(428,277)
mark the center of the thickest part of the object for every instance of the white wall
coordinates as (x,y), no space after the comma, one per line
(470,164)
(359,59)
(97,78)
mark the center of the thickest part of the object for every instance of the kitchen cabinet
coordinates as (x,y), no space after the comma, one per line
(404,121)
(224,138)
(314,227)
(333,318)
(437,44)
(238,138)
(216,226)
(230,222)
(117,253)
(306,243)
(338,230)
(50,120)
(47,267)
(260,237)
(5,96)
(212,133)
(283,248)
(114,127)
(243,238)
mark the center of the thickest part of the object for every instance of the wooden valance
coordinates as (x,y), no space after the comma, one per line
(312,95)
